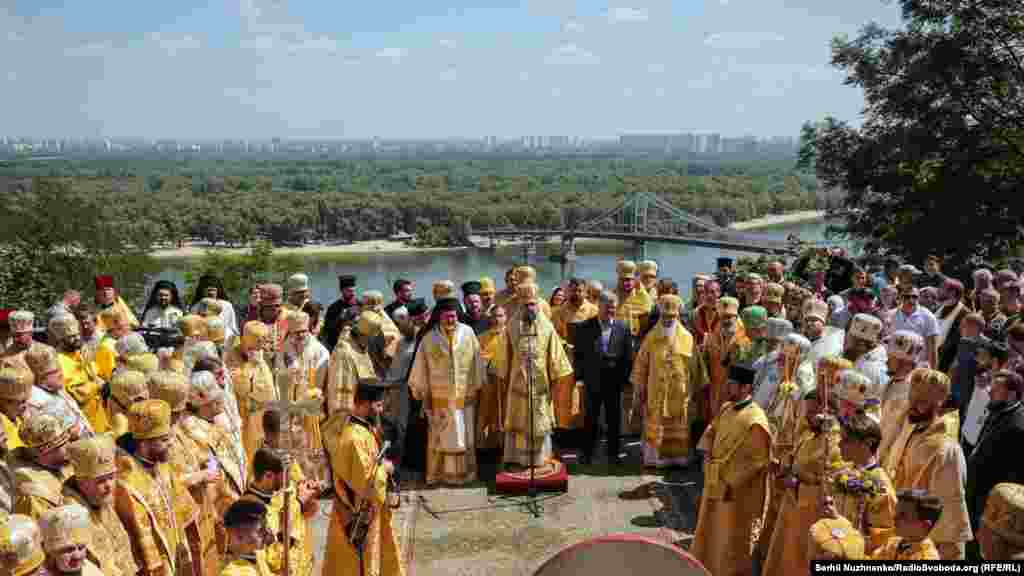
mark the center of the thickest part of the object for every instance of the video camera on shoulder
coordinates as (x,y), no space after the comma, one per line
(157,338)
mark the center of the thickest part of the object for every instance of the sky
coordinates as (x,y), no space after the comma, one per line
(423,69)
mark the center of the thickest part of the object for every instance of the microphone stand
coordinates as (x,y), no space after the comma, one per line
(532,505)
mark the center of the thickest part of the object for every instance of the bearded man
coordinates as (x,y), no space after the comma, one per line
(81,378)
(40,467)
(738,444)
(108,297)
(446,375)
(48,393)
(719,348)
(903,350)
(21,323)
(706,315)
(154,506)
(164,307)
(825,340)
(927,455)
(864,349)
(574,312)
(92,486)
(350,362)
(949,315)
(252,381)
(304,362)
(665,374)
(410,318)
(15,392)
(648,273)
(635,305)
(298,292)
(533,352)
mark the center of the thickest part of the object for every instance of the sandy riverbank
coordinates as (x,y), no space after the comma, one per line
(360,248)
(773,220)
(381,247)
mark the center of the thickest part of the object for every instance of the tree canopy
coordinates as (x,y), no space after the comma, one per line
(937,165)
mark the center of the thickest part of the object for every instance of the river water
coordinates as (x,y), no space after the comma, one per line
(676,261)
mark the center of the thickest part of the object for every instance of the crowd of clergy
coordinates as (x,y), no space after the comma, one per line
(880,422)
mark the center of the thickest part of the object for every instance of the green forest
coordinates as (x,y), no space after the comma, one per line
(439,201)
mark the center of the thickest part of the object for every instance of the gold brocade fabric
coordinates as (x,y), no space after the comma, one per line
(38,489)
(931,459)
(447,373)
(664,370)
(352,459)
(799,507)
(894,549)
(244,567)
(110,542)
(11,432)
(187,457)
(254,387)
(211,439)
(717,350)
(735,489)
(569,405)
(490,407)
(84,385)
(548,365)
(347,366)
(149,503)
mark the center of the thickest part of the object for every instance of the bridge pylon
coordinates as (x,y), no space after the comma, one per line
(568,249)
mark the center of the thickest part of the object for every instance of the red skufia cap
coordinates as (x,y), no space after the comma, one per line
(5,314)
(104,282)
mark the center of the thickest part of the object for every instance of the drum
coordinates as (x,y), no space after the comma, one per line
(620,554)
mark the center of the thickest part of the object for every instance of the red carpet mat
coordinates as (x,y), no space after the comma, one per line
(552,477)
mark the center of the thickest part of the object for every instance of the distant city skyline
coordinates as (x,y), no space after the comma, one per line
(399,69)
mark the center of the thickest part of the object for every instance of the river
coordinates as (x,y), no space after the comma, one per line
(676,261)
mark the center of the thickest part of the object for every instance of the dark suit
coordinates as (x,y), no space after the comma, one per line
(604,370)
(992,462)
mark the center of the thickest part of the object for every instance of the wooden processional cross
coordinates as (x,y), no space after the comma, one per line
(289,407)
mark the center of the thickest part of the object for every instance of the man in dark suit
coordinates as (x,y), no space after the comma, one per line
(603,357)
(1002,436)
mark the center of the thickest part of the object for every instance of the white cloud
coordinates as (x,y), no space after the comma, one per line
(627,92)
(524,76)
(656,68)
(447,43)
(449,75)
(571,53)
(573,26)
(659,92)
(395,55)
(556,92)
(741,40)
(627,14)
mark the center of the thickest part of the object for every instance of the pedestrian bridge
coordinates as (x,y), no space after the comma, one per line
(643,218)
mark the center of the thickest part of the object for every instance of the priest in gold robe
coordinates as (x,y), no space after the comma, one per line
(350,361)
(926,455)
(81,379)
(648,274)
(40,467)
(92,486)
(252,381)
(126,388)
(65,531)
(666,371)
(447,373)
(268,487)
(727,342)
(635,307)
(491,406)
(569,406)
(738,444)
(154,505)
(15,391)
(533,361)
(189,463)
(360,481)
(805,475)
(108,297)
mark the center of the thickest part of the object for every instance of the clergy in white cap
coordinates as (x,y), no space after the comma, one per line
(298,292)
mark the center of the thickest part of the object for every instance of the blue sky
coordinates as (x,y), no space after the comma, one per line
(305,68)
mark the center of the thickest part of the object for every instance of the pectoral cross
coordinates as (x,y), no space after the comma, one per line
(289,407)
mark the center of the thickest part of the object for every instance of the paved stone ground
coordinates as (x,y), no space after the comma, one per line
(466,531)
